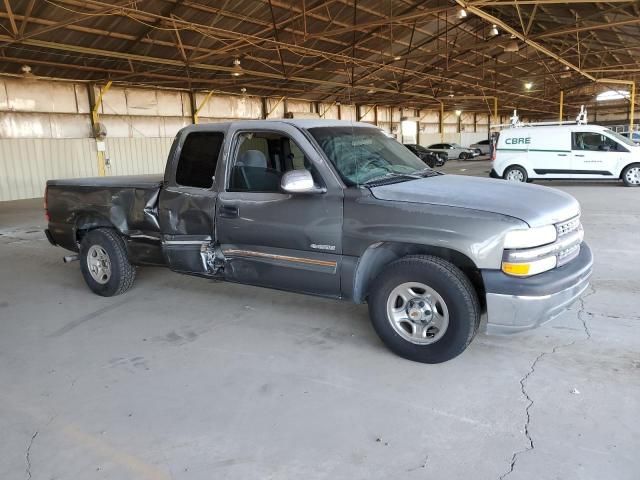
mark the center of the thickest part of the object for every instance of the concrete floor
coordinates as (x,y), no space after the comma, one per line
(182,378)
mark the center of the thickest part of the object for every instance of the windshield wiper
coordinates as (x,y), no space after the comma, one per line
(391,177)
(426,172)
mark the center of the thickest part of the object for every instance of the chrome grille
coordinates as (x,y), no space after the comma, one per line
(568,226)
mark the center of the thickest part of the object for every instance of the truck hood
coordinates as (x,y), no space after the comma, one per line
(533,204)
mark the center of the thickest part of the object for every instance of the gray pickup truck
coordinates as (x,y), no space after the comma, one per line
(336,209)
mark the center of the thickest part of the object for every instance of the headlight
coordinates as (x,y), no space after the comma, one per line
(531,237)
(526,269)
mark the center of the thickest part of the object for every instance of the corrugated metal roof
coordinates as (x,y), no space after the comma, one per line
(400,52)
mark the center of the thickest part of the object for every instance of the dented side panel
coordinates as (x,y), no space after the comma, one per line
(130,206)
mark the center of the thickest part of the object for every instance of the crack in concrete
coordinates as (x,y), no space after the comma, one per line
(421,466)
(532,369)
(28,454)
(582,311)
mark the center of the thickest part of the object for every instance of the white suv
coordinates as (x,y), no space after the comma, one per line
(565,152)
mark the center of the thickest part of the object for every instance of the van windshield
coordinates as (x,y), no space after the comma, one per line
(620,138)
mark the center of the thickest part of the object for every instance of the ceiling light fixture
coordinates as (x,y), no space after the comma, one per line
(458,112)
(512,46)
(462,13)
(237,70)
(528,85)
(397,57)
(494,30)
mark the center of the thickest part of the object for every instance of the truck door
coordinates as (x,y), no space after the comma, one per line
(595,155)
(276,239)
(188,198)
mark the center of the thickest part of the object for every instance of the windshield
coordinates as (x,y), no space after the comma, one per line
(620,138)
(456,145)
(362,154)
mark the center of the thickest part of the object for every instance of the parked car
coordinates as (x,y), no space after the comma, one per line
(589,152)
(336,209)
(483,146)
(431,158)
(453,150)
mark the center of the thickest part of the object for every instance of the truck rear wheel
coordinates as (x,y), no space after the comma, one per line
(424,309)
(104,263)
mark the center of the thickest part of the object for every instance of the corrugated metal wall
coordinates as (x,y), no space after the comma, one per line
(27,163)
(45,128)
(137,156)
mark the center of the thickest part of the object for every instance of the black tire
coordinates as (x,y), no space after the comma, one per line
(633,181)
(430,160)
(463,156)
(515,169)
(450,284)
(121,272)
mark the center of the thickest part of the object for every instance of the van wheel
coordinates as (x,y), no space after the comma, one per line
(424,309)
(631,175)
(104,263)
(515,174)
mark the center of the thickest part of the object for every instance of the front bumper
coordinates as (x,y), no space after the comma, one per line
(517,304)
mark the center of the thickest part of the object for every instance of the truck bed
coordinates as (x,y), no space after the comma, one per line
(128,203)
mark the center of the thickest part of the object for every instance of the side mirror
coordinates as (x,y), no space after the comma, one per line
(299,181)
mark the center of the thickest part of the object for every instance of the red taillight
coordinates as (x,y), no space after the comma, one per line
(46,205)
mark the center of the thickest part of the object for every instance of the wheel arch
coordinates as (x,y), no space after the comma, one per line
(377,255)
(87,221)
(637,162)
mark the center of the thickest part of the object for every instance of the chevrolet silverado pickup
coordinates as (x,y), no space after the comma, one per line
(336,209)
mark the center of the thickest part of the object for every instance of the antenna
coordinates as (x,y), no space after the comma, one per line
(581,119)
(515,120)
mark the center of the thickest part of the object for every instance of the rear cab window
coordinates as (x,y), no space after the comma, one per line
(198,159)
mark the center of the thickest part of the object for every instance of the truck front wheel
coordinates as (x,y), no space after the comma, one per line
(104,263)
(424,309)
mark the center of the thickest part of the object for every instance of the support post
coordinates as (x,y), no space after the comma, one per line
(632,108)
(441,122)
(196,114)
(192,104)
(561,105)
(495,110)
(95,103)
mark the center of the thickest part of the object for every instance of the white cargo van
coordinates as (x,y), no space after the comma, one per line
(565,152)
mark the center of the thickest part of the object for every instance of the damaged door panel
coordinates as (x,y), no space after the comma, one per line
(188,201)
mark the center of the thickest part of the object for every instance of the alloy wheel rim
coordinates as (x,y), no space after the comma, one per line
(99,264)
(417,313)
(633,176)
(515,176)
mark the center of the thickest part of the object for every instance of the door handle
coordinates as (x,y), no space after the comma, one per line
(562,154)
(228,211)
(577,155)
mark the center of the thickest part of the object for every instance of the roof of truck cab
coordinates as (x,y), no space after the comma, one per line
(300,123)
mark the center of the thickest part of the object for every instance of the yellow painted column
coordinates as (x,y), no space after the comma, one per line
(632,105)
(561,106)
(95,117)
(441,121)
(204,102)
